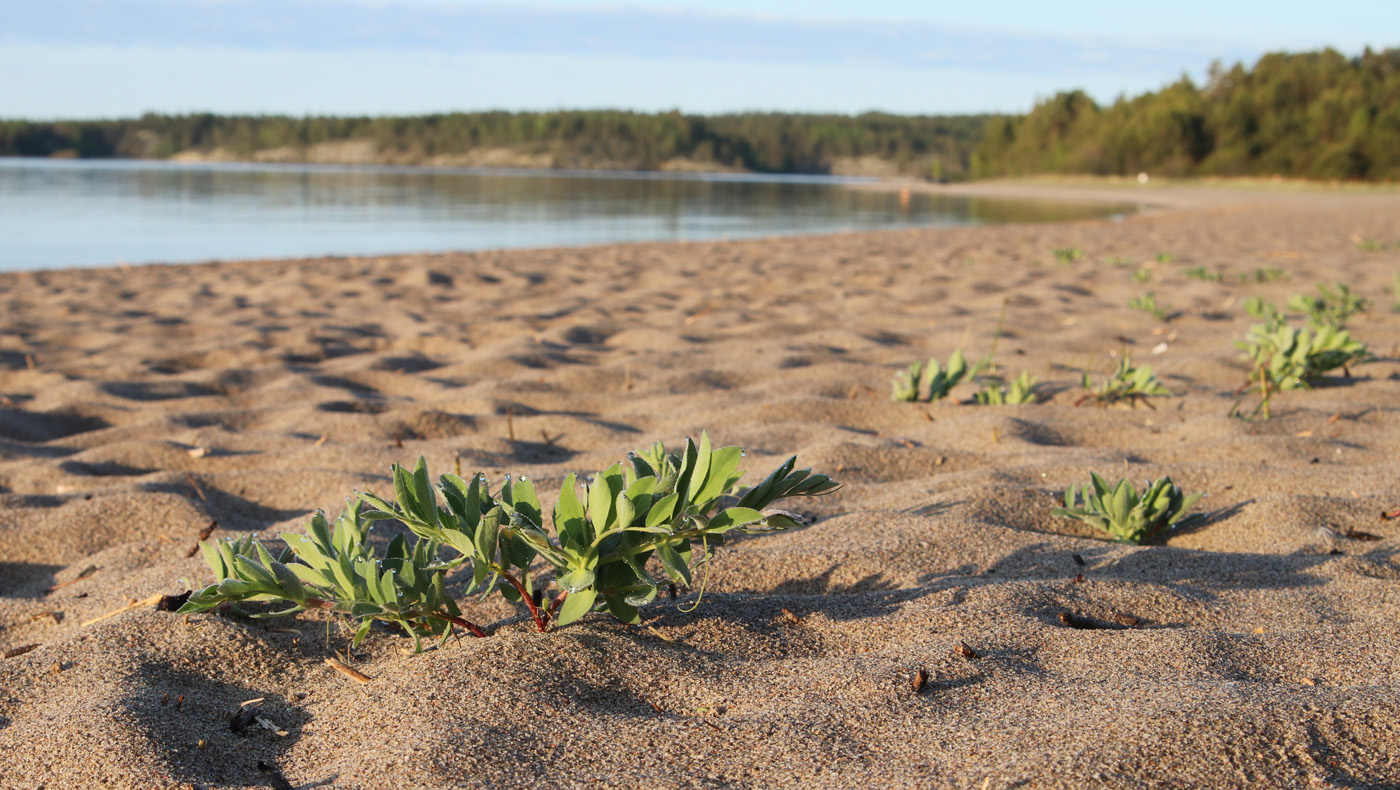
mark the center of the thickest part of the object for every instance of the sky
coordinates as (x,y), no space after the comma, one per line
(119,58)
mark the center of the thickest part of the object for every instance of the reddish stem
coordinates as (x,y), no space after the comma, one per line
(541,618)
(558,602)
(1389,515)
(472,628)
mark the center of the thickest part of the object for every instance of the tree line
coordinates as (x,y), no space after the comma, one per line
(937,146)
(1319,115)
(1316,115)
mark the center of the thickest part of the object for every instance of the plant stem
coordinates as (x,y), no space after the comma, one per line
(1264,383)
(472,628)
(541,618)
(558,602)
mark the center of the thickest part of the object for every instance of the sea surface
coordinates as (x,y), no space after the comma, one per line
(66,213)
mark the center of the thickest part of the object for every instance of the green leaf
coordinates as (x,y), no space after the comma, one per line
(289,582)
(404,493)
(423,494)
(662,511)
(723,464)
(569,520)
(527,503)
(602,496)
(361,632)
(487,536)
(388,591)
(733,518)
(575,606)
(213,558)
(676,566)
(311,575)
(701,469)
(235,588)
(305,549)
(344,577)
(251,571)
(617,604)
(625,511)
(577,579)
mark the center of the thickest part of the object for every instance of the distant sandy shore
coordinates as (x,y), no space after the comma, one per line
(1258,649)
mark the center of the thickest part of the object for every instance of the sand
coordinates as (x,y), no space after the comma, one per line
(142,405)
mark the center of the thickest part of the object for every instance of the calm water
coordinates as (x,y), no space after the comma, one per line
(87,213)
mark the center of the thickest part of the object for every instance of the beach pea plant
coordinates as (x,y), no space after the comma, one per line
(1148,304)
(1126,384)
(595,552)
(931,380)
(1284,357)
(1123,513)
(1333,306)
(1020,391)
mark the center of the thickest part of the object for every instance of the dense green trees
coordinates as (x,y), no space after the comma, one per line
(767,143)
(1314,115)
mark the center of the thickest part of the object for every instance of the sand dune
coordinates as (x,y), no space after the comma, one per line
(1259,648)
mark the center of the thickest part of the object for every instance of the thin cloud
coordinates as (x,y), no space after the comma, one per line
(666,34)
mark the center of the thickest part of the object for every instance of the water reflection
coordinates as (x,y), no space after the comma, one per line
(64,213)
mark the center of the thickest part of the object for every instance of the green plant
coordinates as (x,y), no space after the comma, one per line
(1127,383)
(674,511)
(1164,257)
(1294,358)
(1395,293)
(1142,275)
(1118,261)
(1120,511)
(1286,357)
(1270,274)
(1068,255)
(1204,275)
(930,379)
(995,392)
(1369,245)
(1267,313)
(1334,305)
(1148,304)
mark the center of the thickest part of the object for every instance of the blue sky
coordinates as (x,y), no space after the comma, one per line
(111,58)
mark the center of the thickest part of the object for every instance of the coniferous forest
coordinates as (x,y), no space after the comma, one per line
(1317,115)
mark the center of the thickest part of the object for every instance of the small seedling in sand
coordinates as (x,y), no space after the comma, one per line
(1148,304)
(1269,274)
(1142,275)
(1369,245)
(931,380)
(1333,306)
(1204,275)
(1118,261)
(1120,511)
(1068,255)
(1395,293)
(1127,384)
(597,556)
(1021,391)
(1164,257)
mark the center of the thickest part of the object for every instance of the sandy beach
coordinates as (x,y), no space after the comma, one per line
(140,406)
